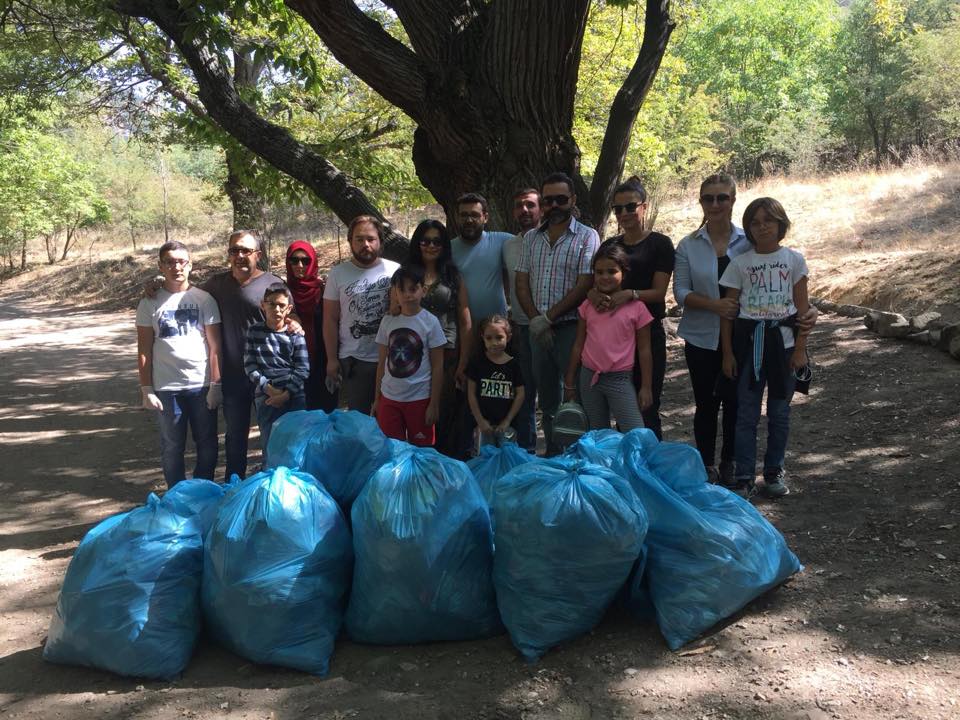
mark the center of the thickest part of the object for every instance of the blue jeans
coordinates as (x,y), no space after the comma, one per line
(748,418)
(181,407)
(267,415)
(549,367)
(236,415)
(526,420)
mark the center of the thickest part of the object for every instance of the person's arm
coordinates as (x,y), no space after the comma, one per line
(215,391)
(572,299)
(145,338)
(687,297)
(524,297)
(475,406)
(645,395)
(301,366)
(381,368)
(570,377)
(726,337)
(250,365)
(331,337)
(464,335)
(802,302)
(518,396)
(436,385)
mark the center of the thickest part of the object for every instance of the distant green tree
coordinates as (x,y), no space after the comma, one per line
(933,66)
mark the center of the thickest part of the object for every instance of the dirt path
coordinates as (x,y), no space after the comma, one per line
(871,629)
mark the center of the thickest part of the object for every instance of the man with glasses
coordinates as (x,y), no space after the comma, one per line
(178,347)
(553,278)
(239,292)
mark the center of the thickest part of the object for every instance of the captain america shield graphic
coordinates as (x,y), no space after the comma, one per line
(404,353)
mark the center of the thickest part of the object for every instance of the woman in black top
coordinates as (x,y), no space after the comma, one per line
(651,264)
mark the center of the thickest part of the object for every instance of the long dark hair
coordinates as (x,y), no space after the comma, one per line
(446,269)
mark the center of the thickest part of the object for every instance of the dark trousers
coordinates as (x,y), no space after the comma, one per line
(658,348)
(711,391)
(180,408)
(237,402)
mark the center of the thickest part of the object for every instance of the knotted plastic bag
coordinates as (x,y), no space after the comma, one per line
(494,462)
(567,534)
(424,554)
(130,601)
(277,570)
(710,552)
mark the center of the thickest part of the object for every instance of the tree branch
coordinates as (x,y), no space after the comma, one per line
(623,112)
(273,143)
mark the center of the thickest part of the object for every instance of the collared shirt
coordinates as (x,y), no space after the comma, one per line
(554,269)
(481,267)
(695,270)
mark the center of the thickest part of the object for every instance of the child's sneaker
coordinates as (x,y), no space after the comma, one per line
(774,485)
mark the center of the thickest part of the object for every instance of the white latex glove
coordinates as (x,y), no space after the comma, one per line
(150,399)
(332,385)
(214,396)
(542,331)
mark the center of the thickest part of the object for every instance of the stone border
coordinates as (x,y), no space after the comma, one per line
(925,329)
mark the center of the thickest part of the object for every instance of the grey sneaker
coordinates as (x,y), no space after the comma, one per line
(774,484)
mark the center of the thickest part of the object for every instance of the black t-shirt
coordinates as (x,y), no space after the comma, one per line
(654,253)
(496,386)
(722,263)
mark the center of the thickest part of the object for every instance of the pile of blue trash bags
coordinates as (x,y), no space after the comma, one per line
(350,532)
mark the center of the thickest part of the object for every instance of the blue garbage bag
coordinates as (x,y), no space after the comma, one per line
(567,534)
(130,601)
(494,462)
(710,552)
(276,571)
(424,554)
(601,447)
(340,449)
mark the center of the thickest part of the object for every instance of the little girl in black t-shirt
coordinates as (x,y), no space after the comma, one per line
(494,381)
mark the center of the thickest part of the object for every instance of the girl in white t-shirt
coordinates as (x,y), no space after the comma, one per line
(760,347)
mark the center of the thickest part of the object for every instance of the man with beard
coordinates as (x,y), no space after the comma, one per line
(526,213)
(478,255)
(553,278)
(355,299)
(238,292)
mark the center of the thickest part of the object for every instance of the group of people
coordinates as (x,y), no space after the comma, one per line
(461,342)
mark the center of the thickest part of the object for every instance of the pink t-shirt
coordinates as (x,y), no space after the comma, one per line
(612,336)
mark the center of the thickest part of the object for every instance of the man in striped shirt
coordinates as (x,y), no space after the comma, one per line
(553,278)
(276,362)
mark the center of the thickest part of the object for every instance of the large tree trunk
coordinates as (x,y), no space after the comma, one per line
(247,204)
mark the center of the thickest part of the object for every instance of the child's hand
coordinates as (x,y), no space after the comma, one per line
(730,366)
(279,400)
(484,426)
(502,427)
(271,391)
(645,398)
(569,394)
(432,415)
(798,359)
(726,308)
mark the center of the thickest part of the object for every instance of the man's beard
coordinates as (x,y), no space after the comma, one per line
(558,215)
(364,257)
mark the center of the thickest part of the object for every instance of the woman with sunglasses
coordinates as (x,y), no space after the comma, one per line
(651,259)
(306,286)
(446,297)
(702,256)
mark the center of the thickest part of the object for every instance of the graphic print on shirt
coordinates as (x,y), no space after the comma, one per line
(367,304)
(769,290)
(404,352)
(182,321)
(496,386)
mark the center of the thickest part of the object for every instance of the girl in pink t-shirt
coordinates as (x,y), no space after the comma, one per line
(606,345)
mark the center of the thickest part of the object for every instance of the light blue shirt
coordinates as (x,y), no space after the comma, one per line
(695,270)
(481,267)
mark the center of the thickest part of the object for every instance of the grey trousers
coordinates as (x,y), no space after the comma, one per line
(614,392)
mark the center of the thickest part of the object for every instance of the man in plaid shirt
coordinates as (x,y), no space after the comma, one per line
(553,278)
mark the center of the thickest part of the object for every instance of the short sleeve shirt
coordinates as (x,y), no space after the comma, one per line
(612,336)
(653,254)
(481,268)
(364,297)
(511,255)
(765,282)
(180,354)
(554,269)
(409,340)
(496,386)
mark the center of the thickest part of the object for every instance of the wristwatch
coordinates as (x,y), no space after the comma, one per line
(636,294)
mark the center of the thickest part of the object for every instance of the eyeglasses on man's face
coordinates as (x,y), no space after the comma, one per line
(241,250)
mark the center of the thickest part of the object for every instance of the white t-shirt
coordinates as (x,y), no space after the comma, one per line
(409,340)
(364,297)
(765,282)
(180,356)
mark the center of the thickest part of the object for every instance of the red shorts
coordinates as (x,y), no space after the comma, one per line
(406,421)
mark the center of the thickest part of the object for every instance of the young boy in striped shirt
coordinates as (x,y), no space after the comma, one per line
(276,362)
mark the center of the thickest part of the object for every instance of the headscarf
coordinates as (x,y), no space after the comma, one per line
(306,292)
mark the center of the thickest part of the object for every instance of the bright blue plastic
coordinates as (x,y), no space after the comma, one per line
(710,552)
(276,571)
(601,447)
(340,449)
(494,462)
(424,554)
(567,534)
(130,601)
